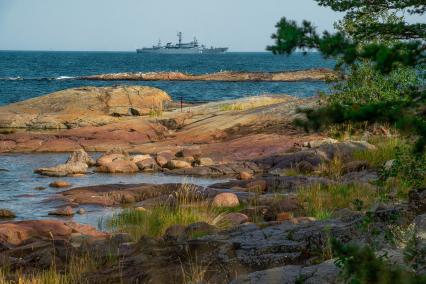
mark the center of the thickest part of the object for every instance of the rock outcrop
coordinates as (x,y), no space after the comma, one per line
(77,163)
(84,106)
(301,75)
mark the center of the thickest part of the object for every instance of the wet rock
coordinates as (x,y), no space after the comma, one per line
(77,163)
(233,219)
(164,157)
(119,166)
(6,213)
(245,176)
(81,211)
(60,184)
(178,164)
(39,188)
(225,199)
(66,211)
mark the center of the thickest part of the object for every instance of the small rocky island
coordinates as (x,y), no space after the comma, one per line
(288,195)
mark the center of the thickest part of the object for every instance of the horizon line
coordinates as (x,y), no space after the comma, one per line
(126,51)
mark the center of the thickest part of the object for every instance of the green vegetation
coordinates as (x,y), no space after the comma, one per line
(154,221)
(381,58)
(321,201)
(386,150)
(362,265)
(232,107)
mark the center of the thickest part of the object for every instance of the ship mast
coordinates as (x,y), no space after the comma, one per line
(180,38)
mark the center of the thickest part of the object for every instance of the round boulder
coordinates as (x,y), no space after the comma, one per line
(245,175)
(119,166)
(225,199)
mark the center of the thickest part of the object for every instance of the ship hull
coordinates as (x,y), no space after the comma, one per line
(182,50)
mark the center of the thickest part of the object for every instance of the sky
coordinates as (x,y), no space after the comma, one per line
(123,25)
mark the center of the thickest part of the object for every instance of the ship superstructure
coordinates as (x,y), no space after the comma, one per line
(192,47)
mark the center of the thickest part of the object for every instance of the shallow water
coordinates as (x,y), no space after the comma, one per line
(18,183)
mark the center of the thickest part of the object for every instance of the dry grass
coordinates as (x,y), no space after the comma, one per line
(250,104)
(73,274)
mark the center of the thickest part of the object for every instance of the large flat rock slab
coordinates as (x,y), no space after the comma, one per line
(85,106)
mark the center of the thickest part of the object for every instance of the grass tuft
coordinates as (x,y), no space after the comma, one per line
(321,201)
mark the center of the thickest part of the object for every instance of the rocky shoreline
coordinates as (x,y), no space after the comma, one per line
(267,224)
(321,74)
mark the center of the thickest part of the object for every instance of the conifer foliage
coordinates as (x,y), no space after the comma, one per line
(372,34)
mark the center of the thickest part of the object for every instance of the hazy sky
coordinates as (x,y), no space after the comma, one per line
(243,25)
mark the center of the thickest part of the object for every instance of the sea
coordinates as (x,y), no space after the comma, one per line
(28,74)
(25,75)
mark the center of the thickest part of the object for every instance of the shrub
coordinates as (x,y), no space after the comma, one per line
(361,265)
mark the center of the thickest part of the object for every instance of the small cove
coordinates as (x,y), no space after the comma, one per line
(18,186)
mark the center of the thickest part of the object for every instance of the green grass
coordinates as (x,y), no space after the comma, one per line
(321,201)
(156,219)
(386,150)
(232,107)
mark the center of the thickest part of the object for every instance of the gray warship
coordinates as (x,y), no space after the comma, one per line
(182,48)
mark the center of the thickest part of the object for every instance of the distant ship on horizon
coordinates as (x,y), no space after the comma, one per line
(182,48)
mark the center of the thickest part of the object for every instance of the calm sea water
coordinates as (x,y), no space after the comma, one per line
(18,185)
(25,75)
